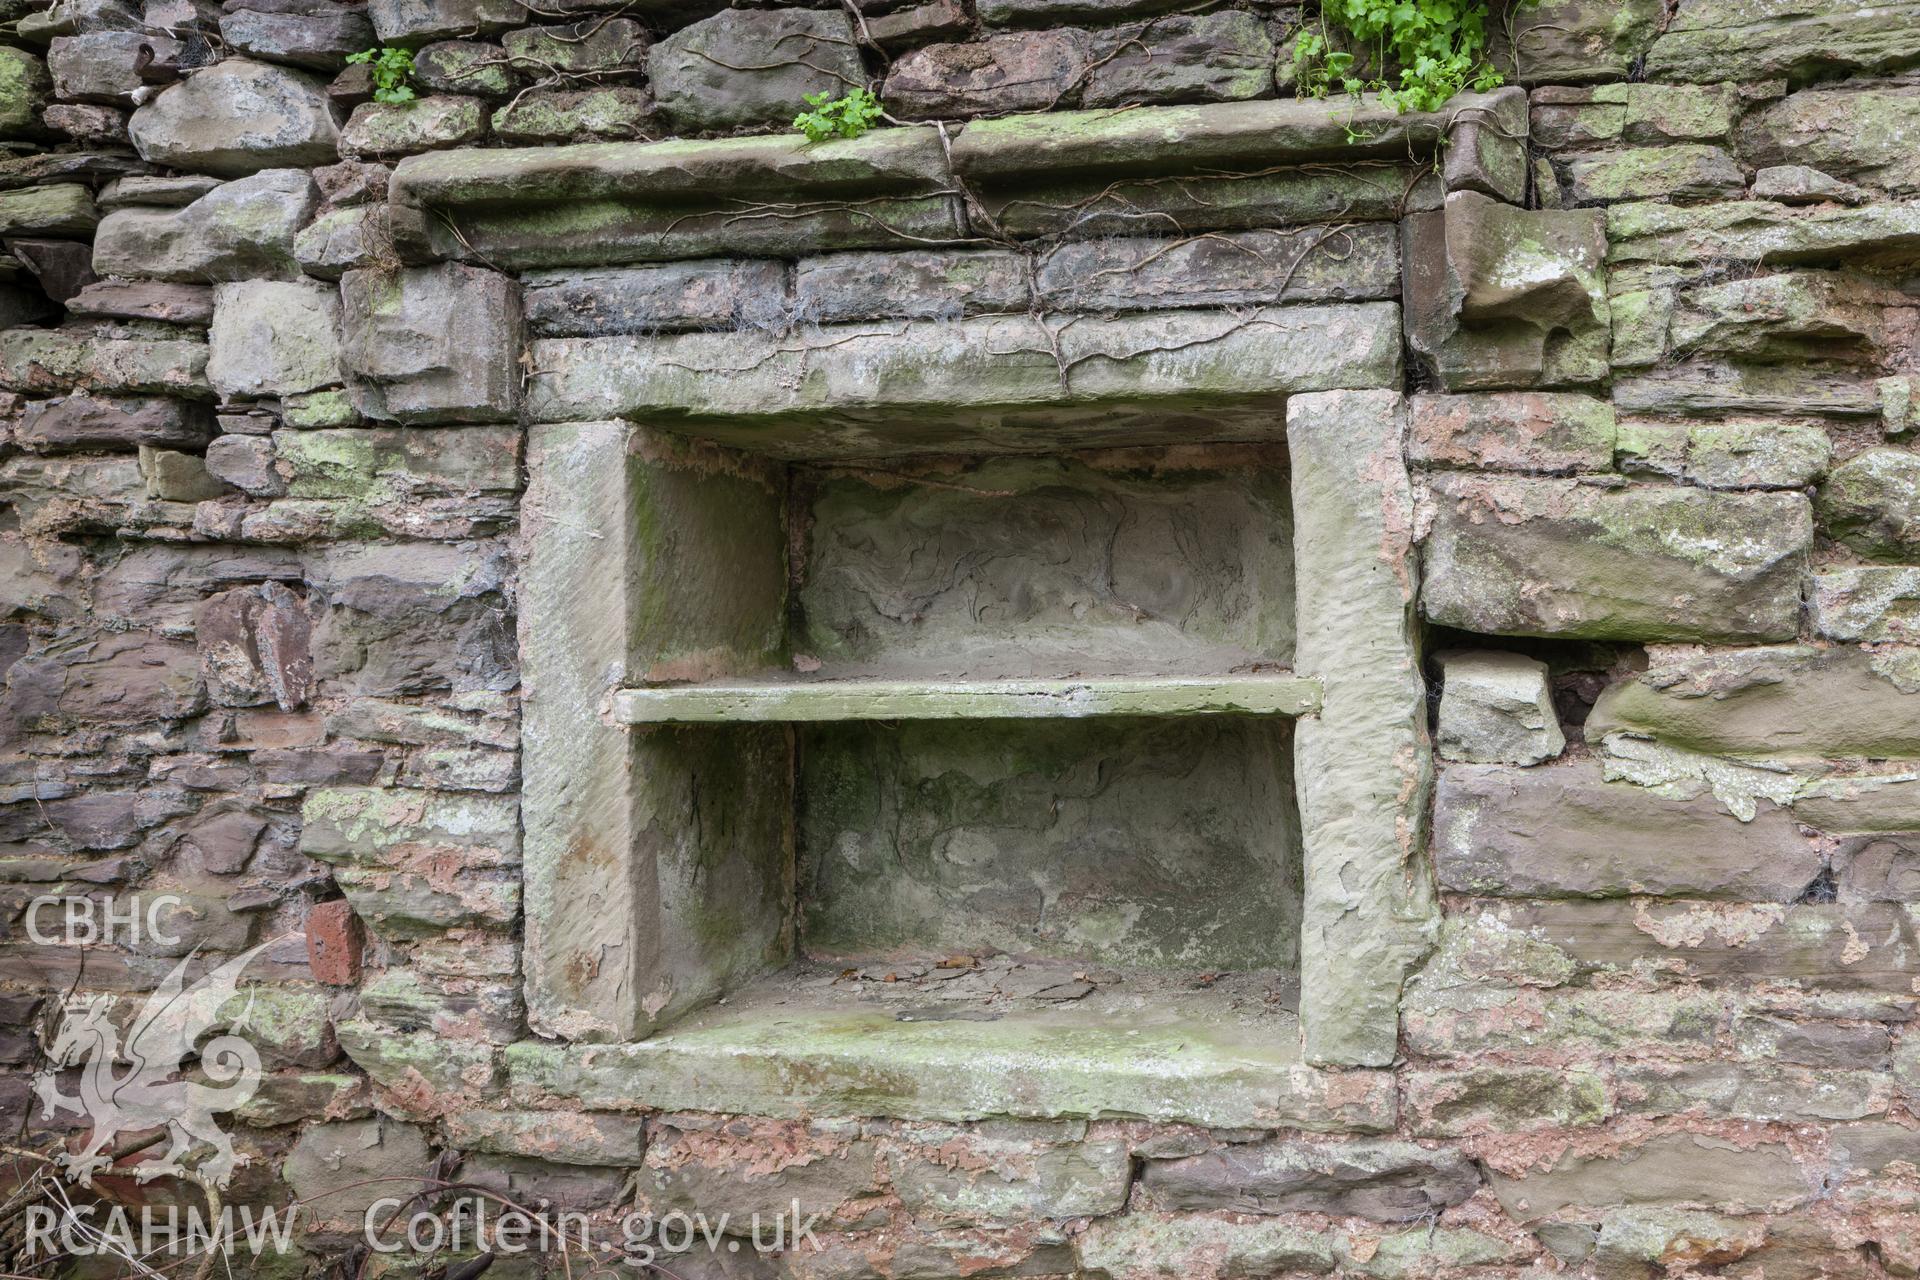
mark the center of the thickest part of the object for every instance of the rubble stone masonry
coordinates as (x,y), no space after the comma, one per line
(1534,484)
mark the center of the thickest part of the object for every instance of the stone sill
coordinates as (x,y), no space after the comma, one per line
(804,1043)
(836,700)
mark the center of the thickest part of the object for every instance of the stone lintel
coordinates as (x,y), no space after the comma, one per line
(986,383)
(1362,764)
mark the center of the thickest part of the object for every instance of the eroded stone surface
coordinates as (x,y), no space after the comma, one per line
(1558,557)
(1504,297)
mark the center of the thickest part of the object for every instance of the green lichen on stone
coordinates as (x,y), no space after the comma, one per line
(319,409)
(400,128)
(1640,318)
(409,1062)
(24,89)
(1550,557)
(1687,171)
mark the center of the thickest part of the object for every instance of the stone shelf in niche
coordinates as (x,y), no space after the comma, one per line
(734,702)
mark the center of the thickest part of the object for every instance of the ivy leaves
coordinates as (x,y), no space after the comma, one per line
(848,116)
(391,68)
(1439,45)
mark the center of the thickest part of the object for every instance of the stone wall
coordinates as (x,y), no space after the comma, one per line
(273,357)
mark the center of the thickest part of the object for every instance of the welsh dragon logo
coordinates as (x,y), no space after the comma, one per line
(147,1094)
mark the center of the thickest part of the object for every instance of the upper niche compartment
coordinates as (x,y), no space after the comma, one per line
(1143,563)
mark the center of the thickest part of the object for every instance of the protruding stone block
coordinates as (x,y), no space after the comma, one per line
(63,209)
(238,117)
(1559,557)
(1487,150)
(1503,297)
(432,344)
(24,88)
(1784,701)
(1496,708)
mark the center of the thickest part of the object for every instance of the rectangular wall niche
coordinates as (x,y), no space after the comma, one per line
(991,763)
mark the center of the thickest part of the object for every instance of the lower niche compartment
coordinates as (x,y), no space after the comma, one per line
(1169,843)
(1070,917)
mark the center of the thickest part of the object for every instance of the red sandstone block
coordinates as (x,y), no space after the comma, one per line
(333,943)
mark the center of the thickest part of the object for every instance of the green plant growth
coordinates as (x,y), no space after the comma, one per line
(847,116)
(1440,47)
(391,70)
